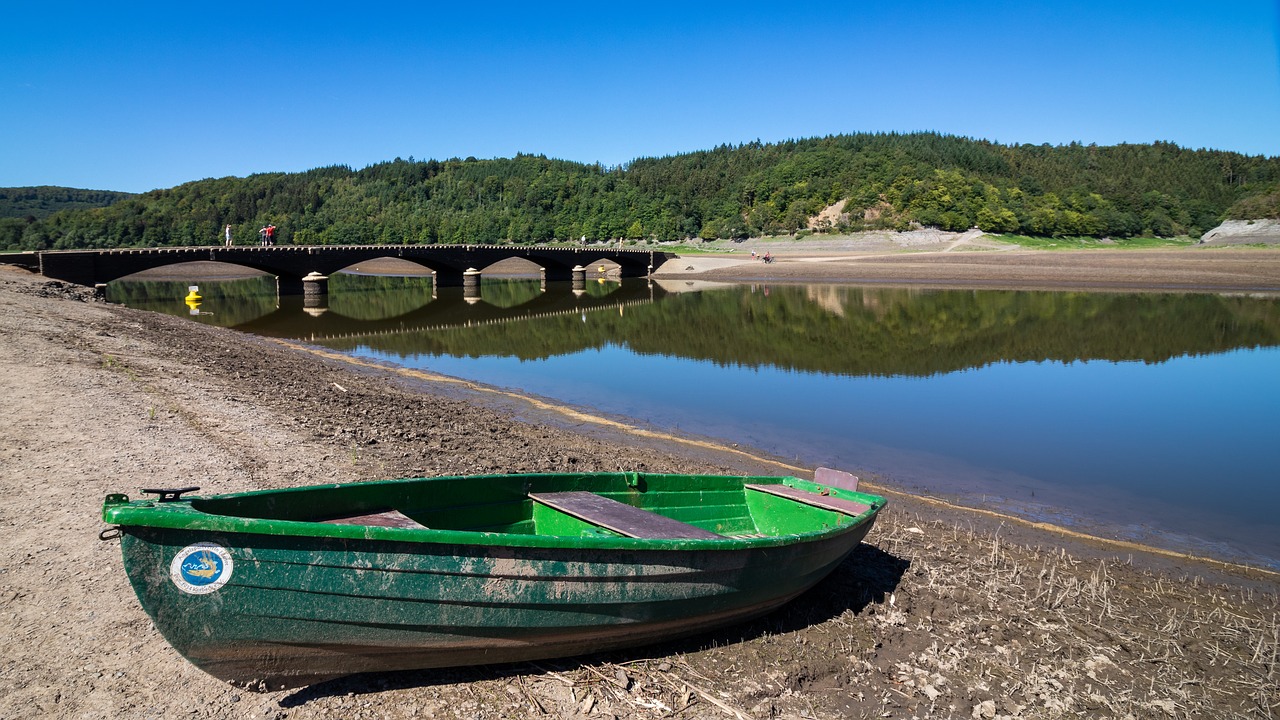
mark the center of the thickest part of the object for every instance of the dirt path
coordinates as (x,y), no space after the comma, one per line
(942,613)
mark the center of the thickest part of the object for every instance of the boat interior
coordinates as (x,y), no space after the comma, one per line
(588,505)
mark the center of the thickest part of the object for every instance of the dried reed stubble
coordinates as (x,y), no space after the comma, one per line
(1113,639)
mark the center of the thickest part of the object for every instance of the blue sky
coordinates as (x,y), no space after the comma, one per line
(136,96)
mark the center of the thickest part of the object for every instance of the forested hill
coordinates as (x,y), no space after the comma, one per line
(43,201)
(843,183)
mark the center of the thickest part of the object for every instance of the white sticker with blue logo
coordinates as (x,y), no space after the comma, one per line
(201,568)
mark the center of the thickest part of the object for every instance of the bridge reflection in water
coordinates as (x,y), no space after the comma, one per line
(342,315)
(447,307)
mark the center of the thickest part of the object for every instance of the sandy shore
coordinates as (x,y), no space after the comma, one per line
(975,263)
(943,612)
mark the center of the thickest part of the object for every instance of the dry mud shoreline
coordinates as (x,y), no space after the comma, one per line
(978,263)
(941,613)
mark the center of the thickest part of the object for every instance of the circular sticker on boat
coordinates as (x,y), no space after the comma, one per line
(201,568)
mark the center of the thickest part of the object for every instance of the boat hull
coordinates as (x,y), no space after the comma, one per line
(370,606)
(278,589)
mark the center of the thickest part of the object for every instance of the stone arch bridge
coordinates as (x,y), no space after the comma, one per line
(452,264)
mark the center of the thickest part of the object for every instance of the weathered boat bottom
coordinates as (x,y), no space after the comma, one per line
(283,666)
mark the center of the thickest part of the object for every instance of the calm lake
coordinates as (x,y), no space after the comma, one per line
(1150,417)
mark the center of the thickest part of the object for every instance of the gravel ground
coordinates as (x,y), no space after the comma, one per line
(943,612)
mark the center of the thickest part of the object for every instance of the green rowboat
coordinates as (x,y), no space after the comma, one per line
(283,588)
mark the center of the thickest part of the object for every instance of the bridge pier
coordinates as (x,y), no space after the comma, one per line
(471,285)
(311,285)
(315,292)
(315,285)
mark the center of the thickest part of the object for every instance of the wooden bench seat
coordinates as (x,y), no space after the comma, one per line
(621,518)
(836,479)
(826,502)
(384,518)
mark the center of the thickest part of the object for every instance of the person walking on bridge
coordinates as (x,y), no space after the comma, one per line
(228,234)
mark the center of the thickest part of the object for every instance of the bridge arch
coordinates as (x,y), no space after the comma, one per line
(213,270)
(513,267)
(388,264)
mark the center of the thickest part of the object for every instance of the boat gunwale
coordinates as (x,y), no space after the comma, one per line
(182,516)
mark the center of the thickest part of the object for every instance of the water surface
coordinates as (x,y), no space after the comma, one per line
(1143,416)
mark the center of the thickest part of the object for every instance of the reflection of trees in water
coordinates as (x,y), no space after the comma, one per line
(859,331)
(820,328)
(509,293)
(225,303)
(377,297)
